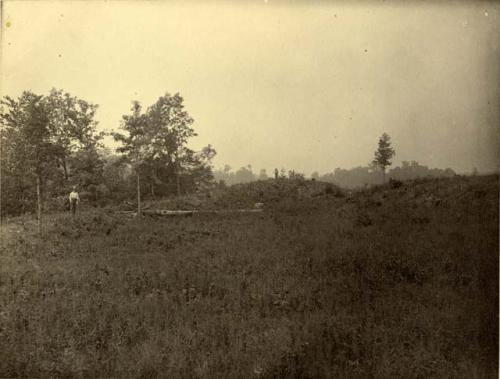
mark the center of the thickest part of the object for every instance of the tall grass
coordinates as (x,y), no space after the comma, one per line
(386,283)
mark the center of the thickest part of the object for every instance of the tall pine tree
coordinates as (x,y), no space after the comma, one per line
(384,154)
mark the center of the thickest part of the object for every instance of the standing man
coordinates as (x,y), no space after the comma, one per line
(74,200)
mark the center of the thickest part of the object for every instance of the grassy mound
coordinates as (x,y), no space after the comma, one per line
(246,195)
(388,282)
(272,192)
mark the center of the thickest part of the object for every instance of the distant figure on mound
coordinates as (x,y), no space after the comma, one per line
(275,173)
(74,200)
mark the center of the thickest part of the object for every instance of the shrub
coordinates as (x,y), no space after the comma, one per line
(394,183)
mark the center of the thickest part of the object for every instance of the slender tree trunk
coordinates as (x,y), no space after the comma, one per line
(65,168)
(383,175)
(139,214)
(177,175)
(39,203)
(178,180)
(152,191)
(177,168)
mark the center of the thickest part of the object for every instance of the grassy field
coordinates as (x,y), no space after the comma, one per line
(386,282)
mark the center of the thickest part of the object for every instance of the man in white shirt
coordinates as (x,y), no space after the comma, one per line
(74,200)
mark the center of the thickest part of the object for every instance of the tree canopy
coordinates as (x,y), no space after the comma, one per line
(155,142)
(40,135)
(384,153)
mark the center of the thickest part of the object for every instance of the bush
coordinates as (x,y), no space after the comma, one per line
(394,183)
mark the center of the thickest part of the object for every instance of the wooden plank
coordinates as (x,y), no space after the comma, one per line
(166,212)
(169,212)
(234,211)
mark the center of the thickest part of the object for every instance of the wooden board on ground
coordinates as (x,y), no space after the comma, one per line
(168,212)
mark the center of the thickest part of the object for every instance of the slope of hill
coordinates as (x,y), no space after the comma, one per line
(386,282)
(273,191)
(245,195)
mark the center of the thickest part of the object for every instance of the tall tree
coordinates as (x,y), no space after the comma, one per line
(136,144)
(25,124)
(384,154)
(72,125)
(39,132)
(162,133)
(170,129)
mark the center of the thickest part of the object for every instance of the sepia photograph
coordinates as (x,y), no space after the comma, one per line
(249,189)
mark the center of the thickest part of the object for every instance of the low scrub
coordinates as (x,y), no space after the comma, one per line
(273,191)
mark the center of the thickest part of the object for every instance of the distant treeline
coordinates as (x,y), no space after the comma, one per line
(357,177)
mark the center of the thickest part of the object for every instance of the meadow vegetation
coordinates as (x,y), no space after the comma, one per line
(394,281)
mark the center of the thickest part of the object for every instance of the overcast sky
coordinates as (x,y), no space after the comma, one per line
(278,84)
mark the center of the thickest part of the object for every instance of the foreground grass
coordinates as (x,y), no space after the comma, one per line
(387,283)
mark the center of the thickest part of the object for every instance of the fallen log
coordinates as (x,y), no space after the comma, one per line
(233,211)
(165,212)
(169,212)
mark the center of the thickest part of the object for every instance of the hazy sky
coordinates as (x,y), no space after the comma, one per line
(278,84)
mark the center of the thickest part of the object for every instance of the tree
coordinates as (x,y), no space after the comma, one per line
(25,126)
(224,175)
(87,169)
(136,144)
(198,175)
(72,125)
(384,154)
(413,170)
(39,133)
(282,173)
(155,143)
(294,175)
(169,130)
(263,174)
(244,175)
(117,175)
